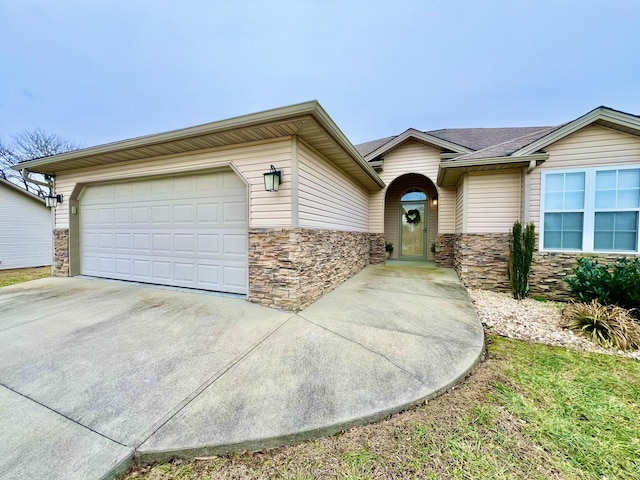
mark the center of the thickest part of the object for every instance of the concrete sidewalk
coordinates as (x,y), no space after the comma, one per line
(93,372)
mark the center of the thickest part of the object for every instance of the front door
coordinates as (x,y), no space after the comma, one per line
(413,230)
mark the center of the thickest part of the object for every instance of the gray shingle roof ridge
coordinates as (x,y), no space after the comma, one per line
(539,127)
(496,151)
(364,148)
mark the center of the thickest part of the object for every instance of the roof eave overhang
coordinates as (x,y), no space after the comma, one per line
(412,134)
(335,132)
(601,115)
(298,114)
(22,191)
(450,172)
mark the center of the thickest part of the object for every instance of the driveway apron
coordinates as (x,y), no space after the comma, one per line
(95,372)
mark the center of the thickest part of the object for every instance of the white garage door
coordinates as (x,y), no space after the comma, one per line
(186,231)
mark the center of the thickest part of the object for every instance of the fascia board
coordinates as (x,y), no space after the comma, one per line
(425,137)
(600,113)
(334,131)
(204,129)
(445,167)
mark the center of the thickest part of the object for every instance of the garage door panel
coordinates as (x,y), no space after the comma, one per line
(235,212)
(169,231)
(105,265)
(234,244)
(184,243)
(160,215)
(183,214)
(141,270)
(123,266)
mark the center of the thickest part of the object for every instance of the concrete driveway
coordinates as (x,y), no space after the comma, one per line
(94,372)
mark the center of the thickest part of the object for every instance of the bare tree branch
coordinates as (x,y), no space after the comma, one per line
(28,145)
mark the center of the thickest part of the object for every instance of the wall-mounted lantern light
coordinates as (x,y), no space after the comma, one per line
(52,201)
(434,201)
(272,179)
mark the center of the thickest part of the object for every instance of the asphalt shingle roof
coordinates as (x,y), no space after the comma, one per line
(507,148)
(368,147)
(479,138)
(472,138)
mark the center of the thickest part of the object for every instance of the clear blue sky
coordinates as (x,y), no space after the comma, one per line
(103,70)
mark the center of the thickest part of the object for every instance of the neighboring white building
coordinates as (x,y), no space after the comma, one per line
(26,238)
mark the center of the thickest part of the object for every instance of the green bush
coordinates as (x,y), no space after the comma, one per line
(522,246)
(607,325)
(616,283)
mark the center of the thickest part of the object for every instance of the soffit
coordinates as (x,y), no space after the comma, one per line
(308,121)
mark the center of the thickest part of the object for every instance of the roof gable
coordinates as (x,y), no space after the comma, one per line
(604,116)
(422,137)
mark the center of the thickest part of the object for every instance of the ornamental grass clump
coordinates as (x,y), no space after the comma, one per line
(609,326)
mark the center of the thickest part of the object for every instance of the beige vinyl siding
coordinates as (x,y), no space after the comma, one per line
(460,205)
(592,146)
(493,201)
(446,210)
(25,231)
(266,209)
(328,198)
(411,157)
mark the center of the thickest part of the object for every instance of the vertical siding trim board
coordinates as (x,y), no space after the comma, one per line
(465,202)
(295,183)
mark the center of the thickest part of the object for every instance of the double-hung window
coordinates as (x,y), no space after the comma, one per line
(591,210)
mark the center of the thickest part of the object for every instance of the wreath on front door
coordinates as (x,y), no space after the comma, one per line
(413,216)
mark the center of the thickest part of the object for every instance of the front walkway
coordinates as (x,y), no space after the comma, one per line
(93,372)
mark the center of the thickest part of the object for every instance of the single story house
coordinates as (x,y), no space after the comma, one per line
(189,207)
(25,228)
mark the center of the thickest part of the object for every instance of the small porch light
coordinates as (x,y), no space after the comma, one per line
(434,201)
(272,179)
(52,201)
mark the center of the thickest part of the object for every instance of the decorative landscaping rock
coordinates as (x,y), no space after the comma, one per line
(532,321)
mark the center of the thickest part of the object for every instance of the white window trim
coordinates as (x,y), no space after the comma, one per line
(588,210)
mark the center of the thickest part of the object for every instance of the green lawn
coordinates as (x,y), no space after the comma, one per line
(9,277)
(529,411)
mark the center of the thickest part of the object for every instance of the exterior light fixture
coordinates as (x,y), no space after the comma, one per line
(52,201)
(272,179)
(434,201)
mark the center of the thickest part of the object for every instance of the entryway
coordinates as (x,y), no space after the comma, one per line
(411,217)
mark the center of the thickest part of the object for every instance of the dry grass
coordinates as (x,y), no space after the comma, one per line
(18,275)
(606,325)
(528,412)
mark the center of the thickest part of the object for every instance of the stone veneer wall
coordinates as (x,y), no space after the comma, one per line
(61,252)
(481,262)
(290,268)
(445,244)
